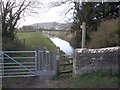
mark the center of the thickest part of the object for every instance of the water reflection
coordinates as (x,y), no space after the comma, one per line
(64,45)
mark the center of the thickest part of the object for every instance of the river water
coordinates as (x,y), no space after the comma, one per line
(64,45)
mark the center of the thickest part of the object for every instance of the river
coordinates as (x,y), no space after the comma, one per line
(64,45)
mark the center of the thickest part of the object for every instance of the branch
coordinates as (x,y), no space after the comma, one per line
(59,3)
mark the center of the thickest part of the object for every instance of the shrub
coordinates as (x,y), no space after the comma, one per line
(16,44)
(107,35)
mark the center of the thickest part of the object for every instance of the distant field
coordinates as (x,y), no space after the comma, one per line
(35,40)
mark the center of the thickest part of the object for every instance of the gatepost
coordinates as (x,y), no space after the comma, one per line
(58,61)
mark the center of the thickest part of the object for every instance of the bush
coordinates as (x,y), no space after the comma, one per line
(106,35)
(8,45)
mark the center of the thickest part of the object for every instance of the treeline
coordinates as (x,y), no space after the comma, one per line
(94,14)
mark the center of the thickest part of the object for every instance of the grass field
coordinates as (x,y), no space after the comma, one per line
(35,40)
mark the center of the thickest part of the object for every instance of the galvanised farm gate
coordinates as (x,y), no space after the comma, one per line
(27,63)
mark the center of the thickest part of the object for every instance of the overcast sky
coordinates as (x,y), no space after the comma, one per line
(53,14)
(47,14)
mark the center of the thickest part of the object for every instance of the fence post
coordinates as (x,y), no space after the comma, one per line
(83,26)
(58,61)
(2,64)
(36,61)
(64,60)
(45,58)
(74,63)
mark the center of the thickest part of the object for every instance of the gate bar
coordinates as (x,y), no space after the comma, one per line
(36,61)
(18,51)
(17,62)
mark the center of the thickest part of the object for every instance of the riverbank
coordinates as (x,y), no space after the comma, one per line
(65,35)
(35,41)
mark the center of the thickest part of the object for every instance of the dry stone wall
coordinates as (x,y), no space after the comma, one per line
(86,60)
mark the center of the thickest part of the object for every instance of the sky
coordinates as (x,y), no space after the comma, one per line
(52,14)
(48,14)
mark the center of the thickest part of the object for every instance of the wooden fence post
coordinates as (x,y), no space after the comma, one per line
(83,26)
(24,41)
(74,63)
(64,60)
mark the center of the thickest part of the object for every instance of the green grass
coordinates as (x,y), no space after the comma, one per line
(35,40)
(94,79)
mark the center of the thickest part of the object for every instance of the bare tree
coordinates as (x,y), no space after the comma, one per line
(12,11)
(69,7)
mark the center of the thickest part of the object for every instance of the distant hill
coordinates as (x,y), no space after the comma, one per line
(49,25)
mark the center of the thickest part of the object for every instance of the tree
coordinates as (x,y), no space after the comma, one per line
(12,11)
(11,14)
(92,13)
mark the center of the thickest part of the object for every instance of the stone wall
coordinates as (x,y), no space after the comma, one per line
(86,60)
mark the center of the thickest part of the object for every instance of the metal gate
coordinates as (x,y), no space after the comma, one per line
(46,63)
(18,63)
(27,63)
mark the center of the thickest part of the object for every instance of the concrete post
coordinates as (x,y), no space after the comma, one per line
(83,26)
